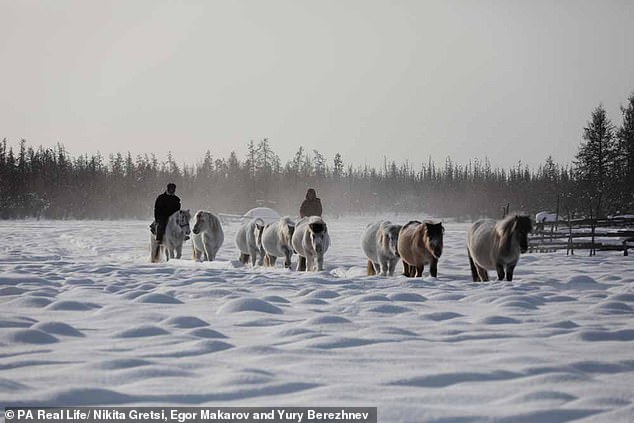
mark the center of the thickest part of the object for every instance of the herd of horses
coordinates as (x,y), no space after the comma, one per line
(491,245)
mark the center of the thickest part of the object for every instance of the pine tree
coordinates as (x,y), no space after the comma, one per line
(626,153)
(595,162)
(337,166)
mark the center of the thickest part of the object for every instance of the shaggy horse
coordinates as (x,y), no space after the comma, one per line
(276,240)
(497,245)
(207,236)
(380,245)
(420,244)
(249,241)
(175,232)
(311,241)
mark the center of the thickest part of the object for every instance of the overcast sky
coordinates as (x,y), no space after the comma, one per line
(511,80)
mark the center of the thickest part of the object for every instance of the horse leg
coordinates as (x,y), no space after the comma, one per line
(405,269)
(156,252)
(383,264)
(500,269)
(419,270)
(370,268)
(310,263)
(391,265)
(271,259)
(301,264)
(412,271)
(433,269)
(211,252)
(179,251)
(483,274)
(509,271)
(287,262)
(194,253)
(320,262)
(474,269)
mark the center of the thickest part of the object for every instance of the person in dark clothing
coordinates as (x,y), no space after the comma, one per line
(311,206)
(166,204)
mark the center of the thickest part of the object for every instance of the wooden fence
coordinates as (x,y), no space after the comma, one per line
(615,234)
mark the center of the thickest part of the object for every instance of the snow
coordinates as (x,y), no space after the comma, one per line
(86,320)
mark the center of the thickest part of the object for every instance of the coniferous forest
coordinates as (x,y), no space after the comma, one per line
(47,182)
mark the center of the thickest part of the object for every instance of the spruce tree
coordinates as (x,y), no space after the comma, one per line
(595,163)
(626,153)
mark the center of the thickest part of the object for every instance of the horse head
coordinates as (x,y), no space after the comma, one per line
(183,220)
(200,219)
(433,238)
(522,226)
(318,231)
(388,237)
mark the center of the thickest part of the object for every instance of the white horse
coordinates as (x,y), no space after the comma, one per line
(311,241)
(207,236)
(175,232)
(249,241)
(497,245)
(380,245)
(276,240)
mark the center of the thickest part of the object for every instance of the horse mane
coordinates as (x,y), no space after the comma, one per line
(514,221)
(412,222)
(173,219)
(215,222)
(507,226)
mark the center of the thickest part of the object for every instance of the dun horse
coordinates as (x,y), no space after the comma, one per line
(497,245)
(380,245)
(420,244)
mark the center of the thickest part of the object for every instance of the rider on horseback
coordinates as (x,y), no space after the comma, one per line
(166,204)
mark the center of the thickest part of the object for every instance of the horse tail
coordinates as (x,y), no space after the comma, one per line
(474,270)
(371,271)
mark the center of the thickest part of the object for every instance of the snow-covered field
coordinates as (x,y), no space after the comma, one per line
(85,320)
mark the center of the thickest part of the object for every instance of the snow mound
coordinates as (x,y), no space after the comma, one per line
(249,304)
(266,214)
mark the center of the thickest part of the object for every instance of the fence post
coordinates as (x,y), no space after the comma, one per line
(570,250)
(593,251)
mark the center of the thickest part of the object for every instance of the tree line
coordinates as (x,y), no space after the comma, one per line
(48,182)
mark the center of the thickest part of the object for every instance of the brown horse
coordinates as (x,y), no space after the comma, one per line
(420,243)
